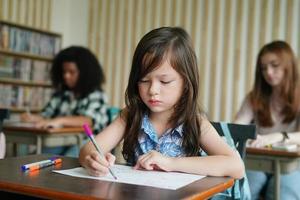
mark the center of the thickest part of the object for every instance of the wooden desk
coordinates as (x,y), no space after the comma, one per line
(50,185)
(52,137)
(273,161)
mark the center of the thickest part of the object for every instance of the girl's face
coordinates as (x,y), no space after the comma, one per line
(161,89)
(272,69)
(70,74)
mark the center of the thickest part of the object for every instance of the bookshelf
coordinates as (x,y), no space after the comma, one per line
(26,54)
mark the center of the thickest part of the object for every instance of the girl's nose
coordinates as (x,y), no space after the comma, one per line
(269,70)
(154,89)
(66,76)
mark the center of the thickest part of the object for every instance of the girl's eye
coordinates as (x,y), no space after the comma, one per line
(165,82)
(275,65)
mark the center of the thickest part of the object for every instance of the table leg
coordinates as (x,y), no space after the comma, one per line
(277,180)
(38,144)
(15,149)
(79,142)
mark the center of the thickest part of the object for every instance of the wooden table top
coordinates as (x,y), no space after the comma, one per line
(27,127)
(45,183)
(272,152)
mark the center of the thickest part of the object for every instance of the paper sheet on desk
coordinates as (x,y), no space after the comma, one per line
(126,174)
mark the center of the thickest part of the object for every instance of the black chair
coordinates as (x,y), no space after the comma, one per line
(239,133)
(4,114)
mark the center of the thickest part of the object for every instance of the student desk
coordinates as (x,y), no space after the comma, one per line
(46,184)
(23,133)
(273,161)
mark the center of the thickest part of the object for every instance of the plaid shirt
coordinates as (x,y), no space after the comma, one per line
(65,104)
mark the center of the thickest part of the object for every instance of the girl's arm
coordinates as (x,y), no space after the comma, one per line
(64,121)
(222,160)
(272,138)
(25,117)
(245,115)
(294,138)
(107,139)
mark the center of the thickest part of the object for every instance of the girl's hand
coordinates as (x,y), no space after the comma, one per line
(258,142)
(154,160)
(25,117)
(96,165)
(265,140)
(49,123)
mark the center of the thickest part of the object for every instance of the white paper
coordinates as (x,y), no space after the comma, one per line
(126,174)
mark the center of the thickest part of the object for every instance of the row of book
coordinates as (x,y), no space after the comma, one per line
(28,41)
(24,97)
(24,69)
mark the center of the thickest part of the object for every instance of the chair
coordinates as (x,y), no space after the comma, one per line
(4,114)
(236,136)
(239,133)
(112,113)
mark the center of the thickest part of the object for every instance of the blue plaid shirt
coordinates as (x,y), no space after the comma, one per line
(169,144)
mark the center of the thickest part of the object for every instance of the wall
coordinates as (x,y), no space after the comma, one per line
(70,17)
(67,17)
(227,35)
(27,12)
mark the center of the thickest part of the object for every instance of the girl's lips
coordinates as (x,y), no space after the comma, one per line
(154,102)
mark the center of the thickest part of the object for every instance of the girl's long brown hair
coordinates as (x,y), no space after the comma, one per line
(261,92)
(174,44)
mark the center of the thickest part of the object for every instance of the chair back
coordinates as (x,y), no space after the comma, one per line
(236,136)
(239,133)
(4,114)
(112,113)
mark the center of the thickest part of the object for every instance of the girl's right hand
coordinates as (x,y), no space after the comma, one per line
(25,117)
(266,140)
(96,165)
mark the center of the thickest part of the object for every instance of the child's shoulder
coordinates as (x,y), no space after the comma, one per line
(206,126)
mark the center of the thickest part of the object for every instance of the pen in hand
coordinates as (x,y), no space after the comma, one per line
(91,136)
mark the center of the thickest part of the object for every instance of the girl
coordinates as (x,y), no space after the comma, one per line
(273,104)
(162,125)
(77,78)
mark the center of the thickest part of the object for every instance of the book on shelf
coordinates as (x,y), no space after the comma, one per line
(21,97)
(6,69)
(40,71)
(25,61)
(17,39)
(4,36)
(24,69)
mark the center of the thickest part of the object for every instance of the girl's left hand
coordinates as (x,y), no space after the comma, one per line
(49,123)
(154,160)
(265,140)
